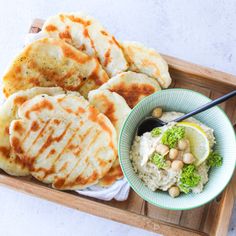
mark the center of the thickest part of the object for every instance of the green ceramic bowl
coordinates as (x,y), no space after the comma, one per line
(181,100)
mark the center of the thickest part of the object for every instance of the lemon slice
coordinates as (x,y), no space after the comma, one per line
(199,143)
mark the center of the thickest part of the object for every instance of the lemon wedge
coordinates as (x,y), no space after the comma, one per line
(199,144)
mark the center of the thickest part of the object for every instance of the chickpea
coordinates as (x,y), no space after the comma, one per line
(162,149)
(173,153)
(188,158)
(180,155)
(183,144)
(174,191)
(168,164)
(157,112)
(177,165)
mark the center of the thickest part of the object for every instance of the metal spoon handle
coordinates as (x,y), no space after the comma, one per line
(207,106)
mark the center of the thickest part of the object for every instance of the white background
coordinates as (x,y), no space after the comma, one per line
(203,32)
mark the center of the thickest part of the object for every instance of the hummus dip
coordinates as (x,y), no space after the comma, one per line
(164,178)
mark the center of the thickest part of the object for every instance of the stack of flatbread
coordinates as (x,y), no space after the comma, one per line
(67,96)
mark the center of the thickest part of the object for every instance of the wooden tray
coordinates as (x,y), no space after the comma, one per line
(211,219)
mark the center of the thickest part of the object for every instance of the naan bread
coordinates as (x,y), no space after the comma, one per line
(116,109)
(64,141)
(88,35)
(110,104)
(133,87)
(147,61)
(9,162)
(52,62)
(115,173)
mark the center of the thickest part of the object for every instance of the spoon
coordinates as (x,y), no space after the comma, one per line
(149,123)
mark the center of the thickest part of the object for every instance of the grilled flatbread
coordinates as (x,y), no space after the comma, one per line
(113,174)
(52,62)
(9,161)
(133,87)
(116,109)
(64,141)
(88,35)
(147,61)
(110,104)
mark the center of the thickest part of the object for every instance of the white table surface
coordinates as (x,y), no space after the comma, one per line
(202,32)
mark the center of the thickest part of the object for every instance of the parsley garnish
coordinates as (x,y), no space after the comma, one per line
(158,160)
(189,178)
(172,135)
(214,159)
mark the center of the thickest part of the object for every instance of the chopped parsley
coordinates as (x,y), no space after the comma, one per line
(189,178)
(172,135)
(156,132)
(214,159)
(158,160)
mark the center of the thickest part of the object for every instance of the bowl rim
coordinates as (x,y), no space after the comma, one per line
(123,168)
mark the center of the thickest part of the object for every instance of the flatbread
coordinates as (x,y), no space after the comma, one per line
(51,62)
(88,35)
(114,174)
(116,109)
(9,162)
(148,61)
(110,104)
(64,141)
(132,86)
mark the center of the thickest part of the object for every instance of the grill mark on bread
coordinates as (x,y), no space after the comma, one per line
(69,110)
(82,47)
(80,179)
(51,28)
(113,174)
(94,116)
(65,35)
(76,165)
(16,145)
(114,40)
(34,81)
(7,130)
(20,100)
(62,151)
(46,144)
(67,144)
(104,32)
(17,127)
(79,20)
(45,171)
(70,53)
(28,162)
(63,167)
(35,126)
(56,121)
(90,179)
(110,110)
(138,90)
(38,136)
(80,110)
(50,139)
(5,151)
(39,106)
(94,76)
(85,33)
(93,113)
(107,57)
(53,151)
(84,136)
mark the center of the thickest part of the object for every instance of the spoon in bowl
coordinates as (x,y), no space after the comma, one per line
(149,123)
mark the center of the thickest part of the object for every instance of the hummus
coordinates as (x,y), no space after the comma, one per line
(156,178)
